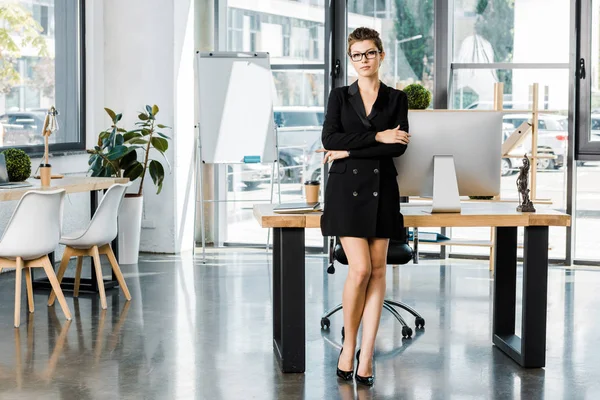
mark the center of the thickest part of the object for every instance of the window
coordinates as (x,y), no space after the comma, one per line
(44,71)
(293,34)
(587,197)
(406,29)
(306,116)
(588,56)
(509,32)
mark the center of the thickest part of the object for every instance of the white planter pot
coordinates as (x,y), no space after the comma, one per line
(130,227)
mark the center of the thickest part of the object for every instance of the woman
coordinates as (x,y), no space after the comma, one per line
(366,125)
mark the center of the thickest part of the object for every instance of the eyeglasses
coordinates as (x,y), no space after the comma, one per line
(371,54)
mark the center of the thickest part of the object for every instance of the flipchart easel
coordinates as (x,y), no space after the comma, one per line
(236,124)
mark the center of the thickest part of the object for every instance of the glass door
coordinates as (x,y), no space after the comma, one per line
(587,195)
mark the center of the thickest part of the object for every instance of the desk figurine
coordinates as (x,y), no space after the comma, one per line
(523,187)
(50,126)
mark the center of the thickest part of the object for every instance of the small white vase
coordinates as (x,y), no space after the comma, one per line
(130,227)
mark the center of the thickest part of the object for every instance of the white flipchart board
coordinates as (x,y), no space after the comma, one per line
(235,97)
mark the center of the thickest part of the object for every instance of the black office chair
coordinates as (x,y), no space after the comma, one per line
(399,252)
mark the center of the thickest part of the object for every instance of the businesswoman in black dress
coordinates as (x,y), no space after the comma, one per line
(366,125)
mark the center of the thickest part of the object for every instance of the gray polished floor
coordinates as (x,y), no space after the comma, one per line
(195,331)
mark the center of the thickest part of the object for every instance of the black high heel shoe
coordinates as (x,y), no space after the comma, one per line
(345,375)
(365,380)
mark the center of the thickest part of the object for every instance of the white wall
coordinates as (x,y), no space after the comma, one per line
(148,59)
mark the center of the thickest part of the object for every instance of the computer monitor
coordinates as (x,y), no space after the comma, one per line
(451,154)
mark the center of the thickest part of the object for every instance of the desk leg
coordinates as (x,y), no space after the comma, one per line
(529,350)
(289,337)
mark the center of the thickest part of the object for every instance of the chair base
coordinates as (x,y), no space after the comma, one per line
(86,285)
(388,305)
(94,252)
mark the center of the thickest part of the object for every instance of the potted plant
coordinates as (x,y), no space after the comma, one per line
(18,164)
(108,156)
(116,155)
(419,97)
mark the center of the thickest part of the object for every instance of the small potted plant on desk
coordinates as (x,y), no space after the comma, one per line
(117,155)
(419,98)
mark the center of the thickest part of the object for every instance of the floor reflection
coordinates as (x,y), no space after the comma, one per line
(203,331)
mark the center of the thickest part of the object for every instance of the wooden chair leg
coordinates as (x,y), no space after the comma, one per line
(56,287)
(64,263)
(29,284)
(18,273)
(98,267)
(78,276)
(117,270)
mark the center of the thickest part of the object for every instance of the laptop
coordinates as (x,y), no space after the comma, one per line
(4,182)
(295,208)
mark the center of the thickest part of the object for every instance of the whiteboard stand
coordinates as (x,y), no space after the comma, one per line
(274,167)
(235,114)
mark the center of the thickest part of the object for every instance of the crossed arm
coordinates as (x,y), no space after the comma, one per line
(362,144)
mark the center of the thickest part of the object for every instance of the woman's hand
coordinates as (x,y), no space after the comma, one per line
(392,136)
(332,155)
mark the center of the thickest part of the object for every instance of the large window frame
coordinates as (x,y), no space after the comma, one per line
(586,150)
(579,146)
(69,76)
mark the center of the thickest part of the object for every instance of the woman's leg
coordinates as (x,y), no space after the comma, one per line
(373,304)
(353,298)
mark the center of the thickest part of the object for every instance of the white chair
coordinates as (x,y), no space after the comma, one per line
(32,233)
(95,240)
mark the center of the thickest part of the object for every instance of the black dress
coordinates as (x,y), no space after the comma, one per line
(361,196)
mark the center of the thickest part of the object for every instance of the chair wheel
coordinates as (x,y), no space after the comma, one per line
(343,332)
(325,323)
(406,332)
(419,323)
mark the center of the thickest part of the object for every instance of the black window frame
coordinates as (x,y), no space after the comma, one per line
(74,107)
(585,149)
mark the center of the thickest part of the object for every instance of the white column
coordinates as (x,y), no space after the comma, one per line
(148,59)
(204,41)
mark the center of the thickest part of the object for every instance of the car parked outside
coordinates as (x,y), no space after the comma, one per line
(20,128)
(552,137)
(595,127)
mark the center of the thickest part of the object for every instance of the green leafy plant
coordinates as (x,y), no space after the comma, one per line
(18,165)
(110,156)
(419,98)
(147,137)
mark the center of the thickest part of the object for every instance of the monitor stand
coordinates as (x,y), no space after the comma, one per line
(445,186)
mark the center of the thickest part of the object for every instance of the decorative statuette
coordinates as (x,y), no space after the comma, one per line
(525,204)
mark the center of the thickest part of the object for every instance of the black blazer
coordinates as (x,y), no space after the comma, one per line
(361,197)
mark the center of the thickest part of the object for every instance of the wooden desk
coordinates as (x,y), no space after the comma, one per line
(72,184)
(529,350)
